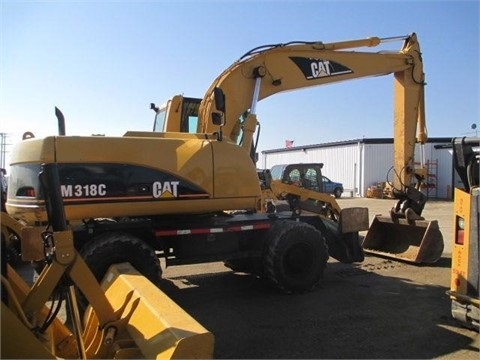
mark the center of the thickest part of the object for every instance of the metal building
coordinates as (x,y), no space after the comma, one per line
(362,163)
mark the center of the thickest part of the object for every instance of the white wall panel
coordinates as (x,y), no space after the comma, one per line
(378,162)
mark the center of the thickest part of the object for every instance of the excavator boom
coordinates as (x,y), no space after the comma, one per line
(271,69)
(265,71)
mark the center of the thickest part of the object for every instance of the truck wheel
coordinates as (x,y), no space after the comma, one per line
(337,193)
(295,256)
(113,248)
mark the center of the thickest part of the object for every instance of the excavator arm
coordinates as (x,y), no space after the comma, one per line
(265,71)
(271,69)
(303,199)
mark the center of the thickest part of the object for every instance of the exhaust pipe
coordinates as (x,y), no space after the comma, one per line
(61,121)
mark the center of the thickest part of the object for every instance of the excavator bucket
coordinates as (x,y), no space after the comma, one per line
(416,241)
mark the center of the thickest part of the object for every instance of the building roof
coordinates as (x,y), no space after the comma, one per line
(433,140)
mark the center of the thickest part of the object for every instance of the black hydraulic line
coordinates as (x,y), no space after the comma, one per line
(50,180)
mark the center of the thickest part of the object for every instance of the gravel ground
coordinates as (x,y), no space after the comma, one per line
(378,309)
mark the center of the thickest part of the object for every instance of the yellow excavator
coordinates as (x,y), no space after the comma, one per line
(403,234)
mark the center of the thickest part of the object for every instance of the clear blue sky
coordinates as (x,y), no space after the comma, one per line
(103,62)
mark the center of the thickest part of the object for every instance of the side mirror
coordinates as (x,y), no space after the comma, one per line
(154,107)
(217,119)
(219,98)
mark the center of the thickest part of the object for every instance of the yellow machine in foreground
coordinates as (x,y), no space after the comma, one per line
(128,316)
(465,280)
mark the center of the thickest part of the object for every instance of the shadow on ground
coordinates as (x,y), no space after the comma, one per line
(354,313)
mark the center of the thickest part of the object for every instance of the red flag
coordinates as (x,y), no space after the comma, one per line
(288,143)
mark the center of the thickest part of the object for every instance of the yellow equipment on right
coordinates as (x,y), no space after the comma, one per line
(465,279)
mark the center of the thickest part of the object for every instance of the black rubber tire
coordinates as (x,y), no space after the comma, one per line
(337,193)
(295,256)
(112,248)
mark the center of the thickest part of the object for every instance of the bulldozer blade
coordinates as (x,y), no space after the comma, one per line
(156,327)
(415,241)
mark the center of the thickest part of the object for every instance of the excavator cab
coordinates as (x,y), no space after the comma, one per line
(178,114)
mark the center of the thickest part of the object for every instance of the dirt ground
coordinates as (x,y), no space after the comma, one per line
(377,309)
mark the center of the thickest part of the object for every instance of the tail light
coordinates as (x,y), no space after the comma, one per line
(459,230)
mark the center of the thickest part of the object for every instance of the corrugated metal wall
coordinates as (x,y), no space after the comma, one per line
(440,165)
(363,164)
(378,160)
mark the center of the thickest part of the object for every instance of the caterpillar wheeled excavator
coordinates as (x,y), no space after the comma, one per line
(196,197)
(403,234)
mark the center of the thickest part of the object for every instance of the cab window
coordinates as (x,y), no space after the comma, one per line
(311,176)
(190,109)
(294,177)
(159,123)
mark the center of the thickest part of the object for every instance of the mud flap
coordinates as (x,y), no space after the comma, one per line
(157,326)
(415,241)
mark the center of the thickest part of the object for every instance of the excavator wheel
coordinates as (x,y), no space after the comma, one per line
(295,256)
(117,247)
